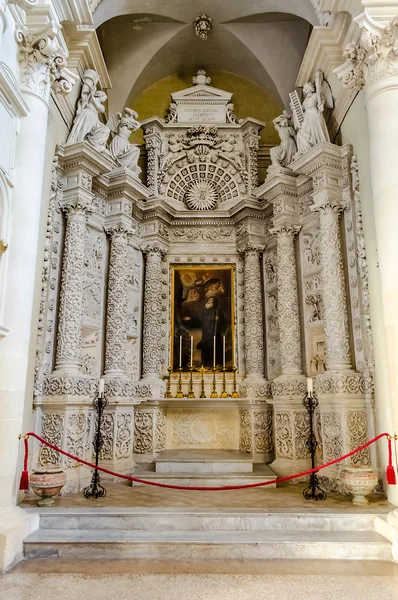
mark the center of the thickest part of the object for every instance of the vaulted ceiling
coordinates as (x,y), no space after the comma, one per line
(144,41)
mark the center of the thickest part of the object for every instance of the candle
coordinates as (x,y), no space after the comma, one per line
(309,387)
(223,351)
(191,351)
(180,351)
(101,386)
(214,352)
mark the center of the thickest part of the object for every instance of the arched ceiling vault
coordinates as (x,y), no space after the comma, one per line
(261,40)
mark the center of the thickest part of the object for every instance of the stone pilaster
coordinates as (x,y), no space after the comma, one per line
(255,433)
(288,308)
(71,297)
(152,328)
(116,314)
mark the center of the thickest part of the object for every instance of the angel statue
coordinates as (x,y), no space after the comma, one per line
(282,155)
(87,125)
(308,117)
(121,126)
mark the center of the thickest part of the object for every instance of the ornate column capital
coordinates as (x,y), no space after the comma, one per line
(77,207)
(251,248)
(154,249)
(119,231)
(329,204)
(285,229)
(42,60)
(374,56)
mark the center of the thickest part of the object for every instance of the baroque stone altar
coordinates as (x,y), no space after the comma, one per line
(299,297)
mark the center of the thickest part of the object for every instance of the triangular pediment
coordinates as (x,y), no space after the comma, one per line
(199,92)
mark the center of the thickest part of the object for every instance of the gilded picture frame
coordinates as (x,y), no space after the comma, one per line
(202,317)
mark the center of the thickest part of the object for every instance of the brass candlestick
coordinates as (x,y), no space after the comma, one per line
(168,388)
(191,392)
(202,383)
(214,392)
(224,385)
(179,389)
(235,392)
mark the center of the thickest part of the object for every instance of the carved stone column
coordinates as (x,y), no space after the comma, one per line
(372,65)
(338,354)
(71,297)
(254,327)
(116,314)
(152,329)
(288,307)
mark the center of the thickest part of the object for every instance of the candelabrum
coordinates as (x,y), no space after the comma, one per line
(224,393)
(202,383)
(214,392)
(191,392)
(95,489)
(235,391)
(180,393)
(313,491)
(168,393)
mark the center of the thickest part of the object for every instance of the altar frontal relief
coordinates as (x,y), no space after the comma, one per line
(202,317)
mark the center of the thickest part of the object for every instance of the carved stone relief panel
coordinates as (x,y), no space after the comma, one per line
(357,428)
(124,435)
(271,310)
(93,279)
(90,352)
(332,435)
(143,431)
(51,274)
(283,435)
(216,429)
(133,362)
(245,435)
(52,430)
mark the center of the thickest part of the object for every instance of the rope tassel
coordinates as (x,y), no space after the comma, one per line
(24,482)
(390,471)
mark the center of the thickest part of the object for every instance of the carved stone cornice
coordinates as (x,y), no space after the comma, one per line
(374,57)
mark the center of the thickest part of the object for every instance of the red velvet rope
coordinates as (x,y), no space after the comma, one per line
(196,488)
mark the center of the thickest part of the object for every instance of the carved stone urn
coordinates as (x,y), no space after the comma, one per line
(47,482)
(359,481)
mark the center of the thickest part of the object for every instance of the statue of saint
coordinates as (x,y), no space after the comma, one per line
(121,126)
(312,128)
(282,155)
(87,125)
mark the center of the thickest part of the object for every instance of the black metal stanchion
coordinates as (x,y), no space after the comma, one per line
(313,491)
(95,489)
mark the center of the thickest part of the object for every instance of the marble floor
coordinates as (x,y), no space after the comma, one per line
(201,580)
(284,497)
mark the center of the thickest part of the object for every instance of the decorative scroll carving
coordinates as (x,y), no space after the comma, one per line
(124,435)
(201,428)
(245,442)
(52,430)
(283,435)
(301,434)
(331,436)
(263,443)
(357,428)
(143,432)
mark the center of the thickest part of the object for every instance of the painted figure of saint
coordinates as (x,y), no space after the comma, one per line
(213,324)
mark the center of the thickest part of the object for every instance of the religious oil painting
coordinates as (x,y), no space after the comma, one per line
(202,318)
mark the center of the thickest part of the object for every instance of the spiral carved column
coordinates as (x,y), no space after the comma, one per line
(116,316)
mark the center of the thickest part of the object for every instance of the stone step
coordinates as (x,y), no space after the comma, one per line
(173,519)
(185,545)
(207,478)
(203,461)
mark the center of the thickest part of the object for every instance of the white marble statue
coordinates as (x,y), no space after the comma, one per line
(87,125)
(282,155)
(311,123)
(121,126)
